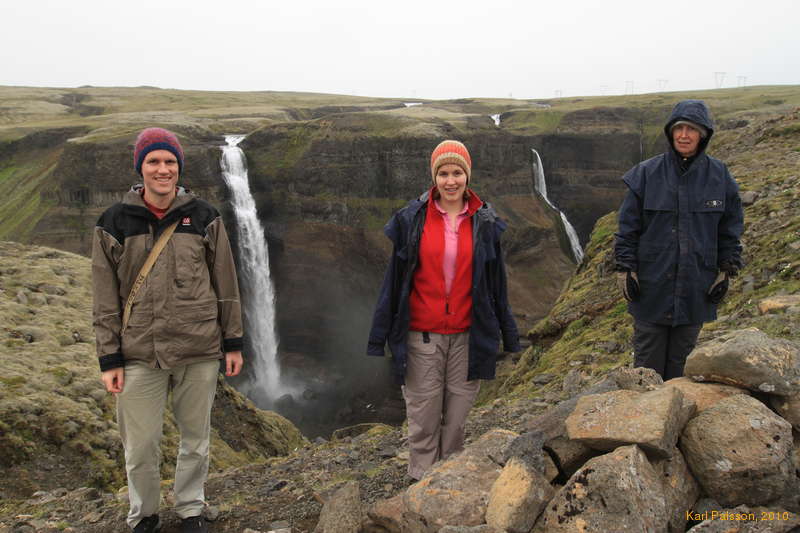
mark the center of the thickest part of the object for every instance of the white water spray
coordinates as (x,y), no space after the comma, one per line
(258,297)
(541,188)
(496,118)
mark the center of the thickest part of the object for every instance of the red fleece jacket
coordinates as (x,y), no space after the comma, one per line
(431,308)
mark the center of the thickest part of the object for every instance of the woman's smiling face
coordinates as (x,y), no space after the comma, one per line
(451,182)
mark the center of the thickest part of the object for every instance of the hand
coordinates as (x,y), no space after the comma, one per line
(114,379)
(719,288)
(233,363)
(628,283)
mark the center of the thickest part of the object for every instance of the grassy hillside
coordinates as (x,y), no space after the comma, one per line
(57,424)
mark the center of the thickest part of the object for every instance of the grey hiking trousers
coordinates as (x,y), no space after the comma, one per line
(140,415)
(438,397)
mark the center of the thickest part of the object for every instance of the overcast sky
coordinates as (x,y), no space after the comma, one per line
(410,49)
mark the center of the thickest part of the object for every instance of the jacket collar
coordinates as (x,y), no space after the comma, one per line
(134,203)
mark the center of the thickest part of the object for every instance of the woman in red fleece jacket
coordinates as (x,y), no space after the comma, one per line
(443,306)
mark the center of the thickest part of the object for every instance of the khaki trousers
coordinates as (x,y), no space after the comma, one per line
(438,397)
(140,415)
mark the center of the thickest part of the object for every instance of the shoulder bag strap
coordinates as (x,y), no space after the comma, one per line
(146,267)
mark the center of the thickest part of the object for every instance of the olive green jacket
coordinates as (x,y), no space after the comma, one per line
(188,308)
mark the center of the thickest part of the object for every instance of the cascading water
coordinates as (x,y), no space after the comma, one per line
(541,188)
(496,118)
(261,380)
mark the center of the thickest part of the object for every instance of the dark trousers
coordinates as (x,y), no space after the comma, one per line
(663,348)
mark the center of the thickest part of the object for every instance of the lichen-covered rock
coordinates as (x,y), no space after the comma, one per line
(681,490)
(653,420)
(743,519)
(778,304)
(619,491)
(483,528)
(528,447)
(570,454)
(704,395)
(640,379)
(342,512)
(388,513)
(788,407)
(456,491)
(517,497)
(748,358)
(739,451)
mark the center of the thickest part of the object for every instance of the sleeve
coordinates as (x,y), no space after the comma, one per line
(626,241)
(222,269)
(387,303)
(106,305)
(731,225)
(508,326)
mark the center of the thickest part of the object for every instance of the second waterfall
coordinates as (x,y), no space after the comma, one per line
(261,381)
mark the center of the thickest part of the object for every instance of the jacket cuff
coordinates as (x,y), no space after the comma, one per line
(373,348)
(236,344)
(111,361)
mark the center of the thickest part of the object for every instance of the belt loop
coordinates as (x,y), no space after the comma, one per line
(426,337)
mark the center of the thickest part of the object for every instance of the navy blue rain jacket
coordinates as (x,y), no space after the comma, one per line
(491,313)
(677,229)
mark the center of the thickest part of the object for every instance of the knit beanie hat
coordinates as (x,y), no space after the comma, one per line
(450,152)
(156,139)
(703,131)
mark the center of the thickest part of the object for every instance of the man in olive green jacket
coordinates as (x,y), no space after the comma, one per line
(184,318)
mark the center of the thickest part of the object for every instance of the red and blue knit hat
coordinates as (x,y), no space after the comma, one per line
(450,152)
(156,139)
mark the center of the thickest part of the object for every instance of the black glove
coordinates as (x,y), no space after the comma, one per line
(729,268)
(628,283)
(719,289)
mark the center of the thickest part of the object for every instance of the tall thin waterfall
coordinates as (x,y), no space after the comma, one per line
(541,188)
(261,381)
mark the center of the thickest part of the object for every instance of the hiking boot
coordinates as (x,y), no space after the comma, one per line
(194,524)
(148,524)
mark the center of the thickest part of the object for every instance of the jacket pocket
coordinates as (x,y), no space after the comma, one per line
(189,264)
(197,329)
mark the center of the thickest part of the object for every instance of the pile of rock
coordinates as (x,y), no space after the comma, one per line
(713,451)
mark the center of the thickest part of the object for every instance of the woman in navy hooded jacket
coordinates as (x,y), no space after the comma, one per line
(443,306)
(678,241)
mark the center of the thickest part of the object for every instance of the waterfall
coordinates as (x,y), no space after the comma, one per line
(496,118)
(261,376)
(541,187)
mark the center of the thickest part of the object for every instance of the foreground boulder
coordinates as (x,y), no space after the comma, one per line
(704,395)
(619,491)
(681,490)
(456,491)
(653,420)
(517,497)
(789,408)
(388,513)
(748,358)
(342,512)
(739,451)
(569,454)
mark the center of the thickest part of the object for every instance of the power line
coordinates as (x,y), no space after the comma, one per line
(719,78)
